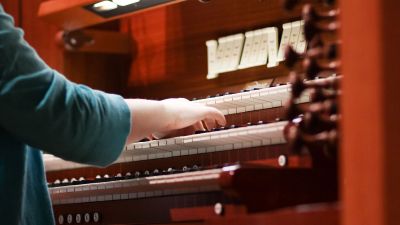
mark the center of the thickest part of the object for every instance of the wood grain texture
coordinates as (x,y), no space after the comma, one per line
(70,15)
(96,41)
(170,54)
(171,57)
(100,71)
(38,33)
(13,8)
(41,35)
(370,156)
(318,214)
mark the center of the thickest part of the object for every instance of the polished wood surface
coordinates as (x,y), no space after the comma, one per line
(100,71)
(205,213)
(13,8)
(302,215)
(95,41)
(171,53)
(38,33)
(327,214)
(265,189)
(70,15)
(370,156)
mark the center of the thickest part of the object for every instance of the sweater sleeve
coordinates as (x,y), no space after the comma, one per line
(43,109)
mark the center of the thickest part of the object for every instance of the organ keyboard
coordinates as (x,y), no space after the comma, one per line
(171,184)
(234,181)
(228,184)
(237,138)
(244,137)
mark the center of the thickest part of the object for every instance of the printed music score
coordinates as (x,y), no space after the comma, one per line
(254,48)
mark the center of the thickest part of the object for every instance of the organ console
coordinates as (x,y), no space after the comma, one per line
(244,166)
(275,162)
(263,159)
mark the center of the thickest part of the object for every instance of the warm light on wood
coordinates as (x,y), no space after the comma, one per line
(100,42)
(70,15)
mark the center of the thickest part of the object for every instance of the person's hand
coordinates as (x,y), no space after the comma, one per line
(186,117)
(170,117)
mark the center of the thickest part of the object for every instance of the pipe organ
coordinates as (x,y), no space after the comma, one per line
(276,160)
(277,151)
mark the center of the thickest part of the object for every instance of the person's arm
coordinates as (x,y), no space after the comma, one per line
(43,109)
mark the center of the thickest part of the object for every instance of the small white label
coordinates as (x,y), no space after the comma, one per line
(272,46)
(295,34)
(247,50)
(301,43)
(287,29)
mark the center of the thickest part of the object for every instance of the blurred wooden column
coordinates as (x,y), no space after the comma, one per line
(370,157)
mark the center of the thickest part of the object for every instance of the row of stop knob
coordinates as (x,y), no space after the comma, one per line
(78,218)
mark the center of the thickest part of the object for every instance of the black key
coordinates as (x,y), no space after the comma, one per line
(200,131)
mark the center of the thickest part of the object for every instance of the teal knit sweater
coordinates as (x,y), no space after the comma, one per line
(40,110)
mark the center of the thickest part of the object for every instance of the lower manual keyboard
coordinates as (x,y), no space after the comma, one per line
(163,185)
(246,181)
(223,140)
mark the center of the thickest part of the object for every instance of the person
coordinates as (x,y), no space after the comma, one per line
(42,110)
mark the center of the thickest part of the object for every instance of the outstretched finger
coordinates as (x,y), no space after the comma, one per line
(215,115)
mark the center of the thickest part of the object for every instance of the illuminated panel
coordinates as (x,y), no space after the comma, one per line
(125,2)
(107,9)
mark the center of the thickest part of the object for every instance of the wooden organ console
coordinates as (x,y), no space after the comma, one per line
(190,178)
(278,149)
(278,161)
